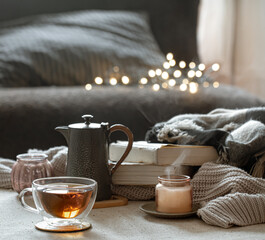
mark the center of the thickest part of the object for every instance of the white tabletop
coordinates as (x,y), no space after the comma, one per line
(126,222)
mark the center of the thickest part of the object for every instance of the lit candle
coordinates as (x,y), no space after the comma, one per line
(174,194)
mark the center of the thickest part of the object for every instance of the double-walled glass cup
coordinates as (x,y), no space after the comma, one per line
(62,201)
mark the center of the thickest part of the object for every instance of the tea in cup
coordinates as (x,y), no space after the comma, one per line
(63,202)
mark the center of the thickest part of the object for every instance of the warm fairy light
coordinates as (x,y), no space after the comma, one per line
(198,73)
(116,69)
(215,67)
(172,62)
(192,65)
(216,84)
(151,73)
(172,82)
(191,73)
(182,64)
(183,87)
(113,81)
(143,81)
(166,65)
(165,75)
(156,87)
(98,80)
(186,76)
(177,74)
(164,85)
(88,87)
(125,80)
(206,84)
(185,81)
(193,87)
(158,72)
(169,56)
(201,66)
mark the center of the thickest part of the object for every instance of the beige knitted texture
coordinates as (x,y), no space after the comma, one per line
(57,156)
(215,180)
(136,193)
(5,173)
(230,196)
(234,209)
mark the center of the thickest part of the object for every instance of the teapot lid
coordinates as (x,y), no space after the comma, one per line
(87,124)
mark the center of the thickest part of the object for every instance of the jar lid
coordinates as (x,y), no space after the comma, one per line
(174,178)
(32,156)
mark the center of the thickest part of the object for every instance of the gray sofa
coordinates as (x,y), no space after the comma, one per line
(29,114)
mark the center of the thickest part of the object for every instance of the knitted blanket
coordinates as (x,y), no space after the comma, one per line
(227,195)
(238,135)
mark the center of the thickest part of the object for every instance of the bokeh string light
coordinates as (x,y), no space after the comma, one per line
(172,75)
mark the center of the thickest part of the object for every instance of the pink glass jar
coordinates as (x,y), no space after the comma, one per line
(28,167)
(174,194)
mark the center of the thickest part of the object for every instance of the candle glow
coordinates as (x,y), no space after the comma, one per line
(173,196)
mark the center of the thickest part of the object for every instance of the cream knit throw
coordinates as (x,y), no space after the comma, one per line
(228,196)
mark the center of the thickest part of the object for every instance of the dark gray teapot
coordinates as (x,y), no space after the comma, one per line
(88,152)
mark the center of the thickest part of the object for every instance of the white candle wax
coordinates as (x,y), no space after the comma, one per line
(173,199)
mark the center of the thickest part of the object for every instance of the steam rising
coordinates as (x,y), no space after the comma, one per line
(176,167)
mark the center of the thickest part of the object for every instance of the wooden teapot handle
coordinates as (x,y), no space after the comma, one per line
(127,131)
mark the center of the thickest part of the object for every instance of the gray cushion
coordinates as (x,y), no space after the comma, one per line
(173,22)
(73,48)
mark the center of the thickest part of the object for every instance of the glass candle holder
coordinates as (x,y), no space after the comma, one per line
(174,194)
(28,167)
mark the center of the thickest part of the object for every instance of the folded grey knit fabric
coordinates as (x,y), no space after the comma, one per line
(237,134)
(229,196)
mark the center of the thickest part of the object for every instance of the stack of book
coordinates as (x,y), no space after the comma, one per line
(147,161)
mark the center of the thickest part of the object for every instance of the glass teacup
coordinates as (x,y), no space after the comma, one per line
(63,202)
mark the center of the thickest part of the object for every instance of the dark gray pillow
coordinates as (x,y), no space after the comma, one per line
(74,48)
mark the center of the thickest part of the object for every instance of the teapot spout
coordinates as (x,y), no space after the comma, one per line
(64,130)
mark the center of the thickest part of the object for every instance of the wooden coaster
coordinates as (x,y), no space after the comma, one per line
(115,201)
(44,226)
